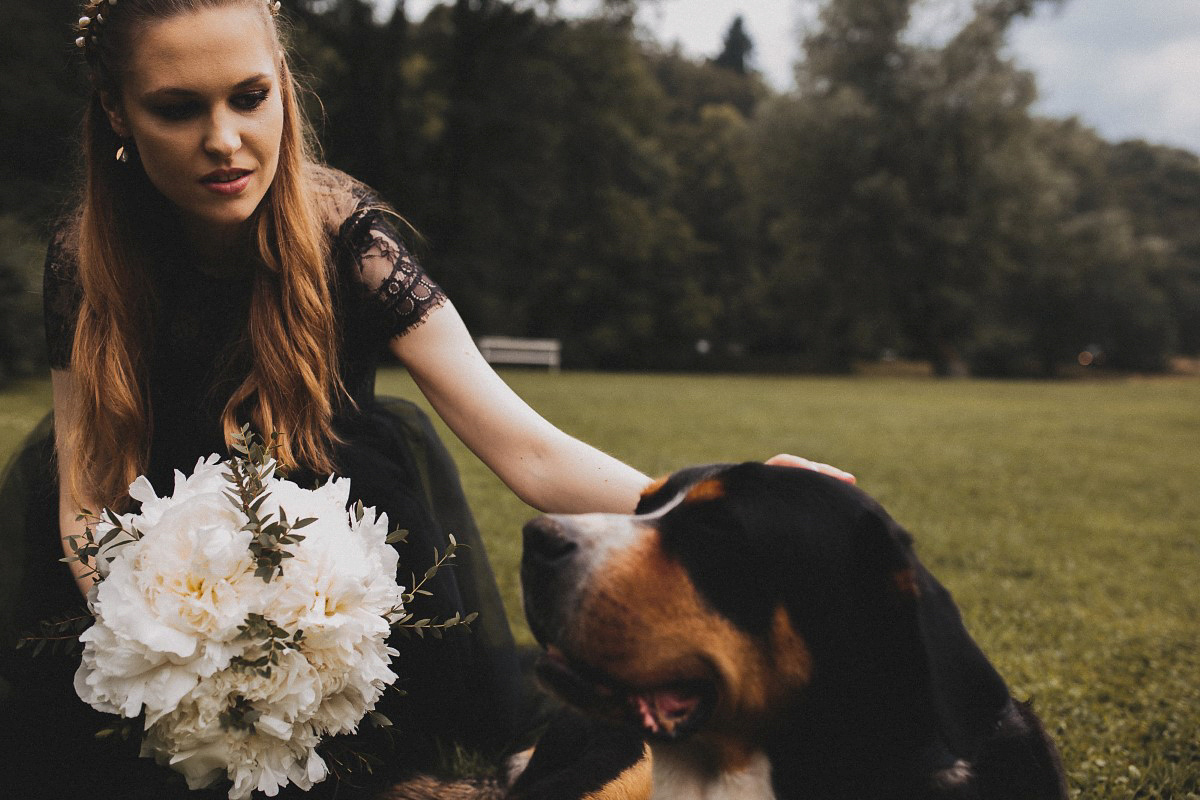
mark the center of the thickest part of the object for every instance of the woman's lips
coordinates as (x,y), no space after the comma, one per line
(227,182)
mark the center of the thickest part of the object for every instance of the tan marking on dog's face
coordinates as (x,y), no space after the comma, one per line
(734,745)
(905,581)
(635,783)
(655,485)
(642,622)
(711,489)
(789,653)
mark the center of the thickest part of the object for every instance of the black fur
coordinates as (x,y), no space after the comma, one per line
(576,757)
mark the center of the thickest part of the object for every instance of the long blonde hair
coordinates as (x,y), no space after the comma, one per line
(293,383)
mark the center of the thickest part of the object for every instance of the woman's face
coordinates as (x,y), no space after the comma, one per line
(201,101)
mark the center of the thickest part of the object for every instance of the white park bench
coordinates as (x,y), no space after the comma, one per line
(516,350)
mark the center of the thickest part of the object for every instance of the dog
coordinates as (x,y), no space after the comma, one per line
(771,633)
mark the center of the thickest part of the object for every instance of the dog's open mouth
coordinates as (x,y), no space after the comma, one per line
(671,710)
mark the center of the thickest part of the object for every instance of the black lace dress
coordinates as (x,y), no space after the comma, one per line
(460,692)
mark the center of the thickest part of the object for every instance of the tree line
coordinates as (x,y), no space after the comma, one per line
(567,178)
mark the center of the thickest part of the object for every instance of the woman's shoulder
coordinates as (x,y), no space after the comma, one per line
(359,221)
(371,253)
(61,290)
(342,199)
(61,275)
(62,250)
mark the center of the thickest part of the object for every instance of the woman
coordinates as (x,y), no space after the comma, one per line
(215,274)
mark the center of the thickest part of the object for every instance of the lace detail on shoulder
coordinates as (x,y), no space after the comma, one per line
(61,298)
(394,284)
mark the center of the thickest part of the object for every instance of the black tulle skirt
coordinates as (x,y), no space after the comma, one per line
(461,694)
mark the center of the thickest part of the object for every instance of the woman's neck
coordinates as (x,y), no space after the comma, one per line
(217,251)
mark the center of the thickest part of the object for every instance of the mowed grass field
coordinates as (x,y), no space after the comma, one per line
(1064,517)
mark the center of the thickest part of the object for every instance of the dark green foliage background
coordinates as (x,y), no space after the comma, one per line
(570,179)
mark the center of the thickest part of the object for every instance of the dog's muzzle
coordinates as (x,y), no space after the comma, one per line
(550,575)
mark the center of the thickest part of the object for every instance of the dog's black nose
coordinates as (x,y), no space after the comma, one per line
(550,574)
(546,540)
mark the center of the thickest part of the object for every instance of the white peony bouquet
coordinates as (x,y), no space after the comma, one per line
(243,618)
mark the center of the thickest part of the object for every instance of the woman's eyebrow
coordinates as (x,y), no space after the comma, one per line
(167,92)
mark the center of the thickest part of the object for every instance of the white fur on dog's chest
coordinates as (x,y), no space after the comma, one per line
(677,779)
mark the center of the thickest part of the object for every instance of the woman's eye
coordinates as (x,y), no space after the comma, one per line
(250,100)
(177,111)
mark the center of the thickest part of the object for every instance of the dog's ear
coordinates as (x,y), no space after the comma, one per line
(966,689)
(881,629)
(902,633)
(668,488)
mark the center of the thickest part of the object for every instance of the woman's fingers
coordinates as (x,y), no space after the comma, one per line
(788,460)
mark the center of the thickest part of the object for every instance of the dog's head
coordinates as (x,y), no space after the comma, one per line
(741,598)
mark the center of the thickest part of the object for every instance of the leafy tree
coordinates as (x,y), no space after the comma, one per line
(551,214)
(1160,187)
(575,181)
(708,115)
(736,53)
(41,111)
(21,341)
(369,123)
(896,183)
(43,104)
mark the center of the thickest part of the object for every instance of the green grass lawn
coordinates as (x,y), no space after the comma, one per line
(1065,518)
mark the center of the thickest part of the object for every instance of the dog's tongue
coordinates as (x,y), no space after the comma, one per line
(662,711)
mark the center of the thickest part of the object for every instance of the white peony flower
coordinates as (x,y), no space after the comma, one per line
(170,613)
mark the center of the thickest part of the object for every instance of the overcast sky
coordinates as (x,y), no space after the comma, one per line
(1129,68)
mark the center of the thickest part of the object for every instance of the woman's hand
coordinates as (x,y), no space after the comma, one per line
(787,460)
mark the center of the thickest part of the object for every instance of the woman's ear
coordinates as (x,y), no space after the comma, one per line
(116,116)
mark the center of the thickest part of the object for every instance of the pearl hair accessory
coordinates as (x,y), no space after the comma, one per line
(92,21)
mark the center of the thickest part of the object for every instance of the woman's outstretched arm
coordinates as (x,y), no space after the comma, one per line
(546,468)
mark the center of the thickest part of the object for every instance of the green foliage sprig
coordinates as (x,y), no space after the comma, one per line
(403,620)
(84,547)
(239,716)
(122,728)
(273,641)
(348,763)
(59,634)
(248,473)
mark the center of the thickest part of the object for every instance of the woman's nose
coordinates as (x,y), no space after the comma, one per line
(222,138)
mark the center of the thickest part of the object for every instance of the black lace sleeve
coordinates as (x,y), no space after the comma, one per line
(395,291)
(61,296)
